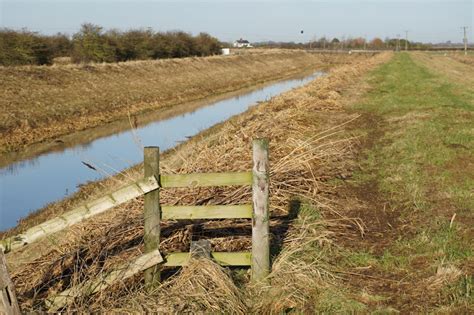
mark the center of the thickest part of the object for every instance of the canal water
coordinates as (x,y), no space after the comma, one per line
(31,184)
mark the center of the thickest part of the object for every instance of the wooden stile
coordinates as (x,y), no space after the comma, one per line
(8,301)
(152,214)
(258,259)
(260,221)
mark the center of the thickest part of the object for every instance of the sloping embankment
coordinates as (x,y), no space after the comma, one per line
(41,103)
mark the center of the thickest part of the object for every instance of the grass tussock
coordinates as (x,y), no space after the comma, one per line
(41,103)
(303,157)
(202,286)
(300,272)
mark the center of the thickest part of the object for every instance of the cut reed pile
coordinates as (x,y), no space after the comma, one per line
(43,102)
(303,158)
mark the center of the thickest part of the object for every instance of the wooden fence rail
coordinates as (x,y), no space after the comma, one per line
(79,214)
(119,274)
(151,262)
(206,212)
(206,180)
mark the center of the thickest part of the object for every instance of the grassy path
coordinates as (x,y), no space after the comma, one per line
(414,192)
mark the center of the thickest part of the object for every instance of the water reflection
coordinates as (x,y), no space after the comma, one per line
(53,175)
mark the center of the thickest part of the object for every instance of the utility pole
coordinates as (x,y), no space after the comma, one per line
(406,40)
(398,42)
(465,39)
(314,40)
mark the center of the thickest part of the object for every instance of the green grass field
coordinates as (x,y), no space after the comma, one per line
(419,153)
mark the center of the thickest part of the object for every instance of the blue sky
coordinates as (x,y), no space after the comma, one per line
(429,21)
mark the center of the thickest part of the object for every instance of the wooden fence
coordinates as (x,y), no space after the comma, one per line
(8,302)
(152,261)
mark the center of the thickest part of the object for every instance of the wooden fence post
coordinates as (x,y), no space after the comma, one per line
(260,218)
(8,301)
(152,214)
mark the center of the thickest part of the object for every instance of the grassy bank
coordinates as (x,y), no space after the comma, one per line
(40,103)
(414,190)
(308,150)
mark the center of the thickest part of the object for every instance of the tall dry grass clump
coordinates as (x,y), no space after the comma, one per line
(299,272)
(304,155)
(202,286)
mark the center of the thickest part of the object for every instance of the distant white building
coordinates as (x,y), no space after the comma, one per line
(241,43)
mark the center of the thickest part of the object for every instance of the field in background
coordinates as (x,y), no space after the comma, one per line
(40,103)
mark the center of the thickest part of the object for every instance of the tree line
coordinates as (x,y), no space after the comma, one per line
(345,43)
(93,44)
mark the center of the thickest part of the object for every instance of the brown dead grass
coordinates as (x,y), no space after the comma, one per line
(43,102)
(302,156)
(299,272)
(208,288)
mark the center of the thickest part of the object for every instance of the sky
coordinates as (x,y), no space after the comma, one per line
(228,20)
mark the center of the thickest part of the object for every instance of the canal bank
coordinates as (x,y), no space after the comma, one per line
(57,174)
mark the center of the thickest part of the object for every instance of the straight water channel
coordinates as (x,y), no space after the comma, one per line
(30,185)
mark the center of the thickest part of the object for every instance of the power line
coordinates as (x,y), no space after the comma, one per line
(406,40)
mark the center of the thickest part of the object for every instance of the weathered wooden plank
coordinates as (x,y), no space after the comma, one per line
(233,259)
(207,212)
(223,258)
(121,273)
(206,179)
(81,213)
(176,259)
(8,301)
(260,222)
(152,215)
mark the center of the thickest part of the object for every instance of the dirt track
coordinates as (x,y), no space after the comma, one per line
(401,262)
